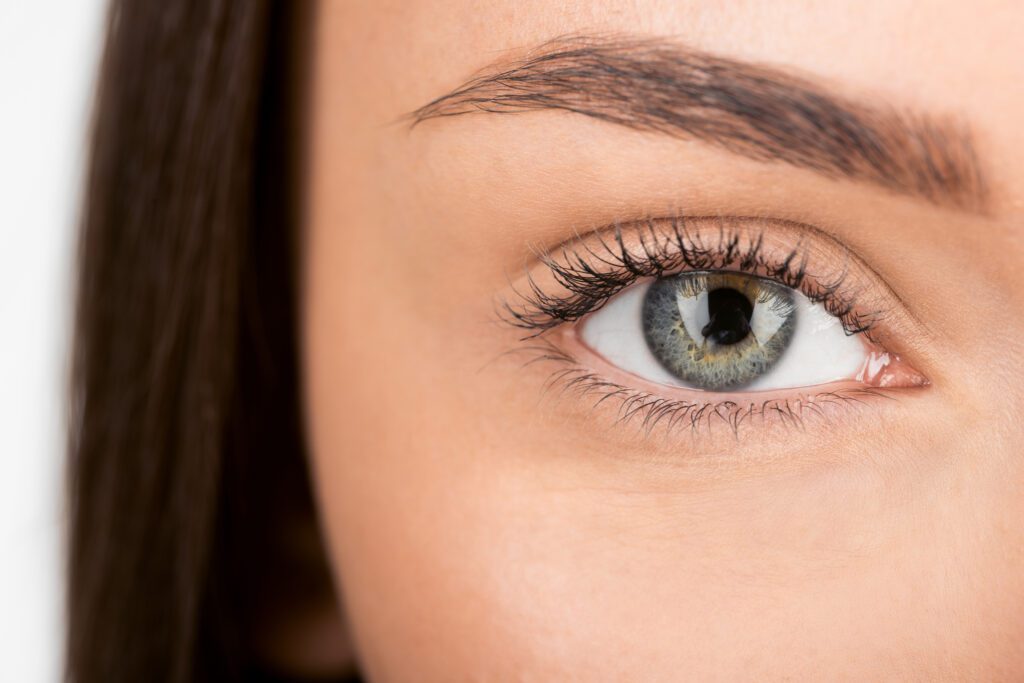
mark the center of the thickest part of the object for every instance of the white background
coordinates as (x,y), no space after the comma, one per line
(49,51)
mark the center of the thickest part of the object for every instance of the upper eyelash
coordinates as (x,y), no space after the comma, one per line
(591,276)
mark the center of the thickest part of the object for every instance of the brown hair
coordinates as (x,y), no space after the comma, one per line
(186,447)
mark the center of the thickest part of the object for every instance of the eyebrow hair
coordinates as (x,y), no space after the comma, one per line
(753,110)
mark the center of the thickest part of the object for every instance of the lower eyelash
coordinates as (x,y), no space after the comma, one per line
(593,275)
(650,410)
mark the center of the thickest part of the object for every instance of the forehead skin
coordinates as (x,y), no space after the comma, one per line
(480,532)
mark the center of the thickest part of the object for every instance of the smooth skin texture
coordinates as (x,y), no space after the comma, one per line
(480,529)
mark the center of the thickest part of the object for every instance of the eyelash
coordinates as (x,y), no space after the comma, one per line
(651,409)
(592,275)
(590,286)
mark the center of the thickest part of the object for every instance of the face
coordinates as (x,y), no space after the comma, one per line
(684,342)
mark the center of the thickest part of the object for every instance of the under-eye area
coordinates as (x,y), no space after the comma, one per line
(689,321)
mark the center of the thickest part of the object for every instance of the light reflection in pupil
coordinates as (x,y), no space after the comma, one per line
(730,312)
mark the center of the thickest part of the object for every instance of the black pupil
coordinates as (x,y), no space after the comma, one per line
(730,313)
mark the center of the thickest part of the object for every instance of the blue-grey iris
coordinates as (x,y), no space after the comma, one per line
(718,330)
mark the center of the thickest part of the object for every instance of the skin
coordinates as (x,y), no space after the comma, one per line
(480,529)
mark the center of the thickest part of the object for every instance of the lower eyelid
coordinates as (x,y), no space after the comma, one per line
(578,375)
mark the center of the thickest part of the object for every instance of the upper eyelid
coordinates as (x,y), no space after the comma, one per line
(584,254)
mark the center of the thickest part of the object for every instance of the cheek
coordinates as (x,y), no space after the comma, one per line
(474,538)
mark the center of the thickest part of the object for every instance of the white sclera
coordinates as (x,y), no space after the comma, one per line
(819,352)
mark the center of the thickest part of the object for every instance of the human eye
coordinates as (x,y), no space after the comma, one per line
(687,320)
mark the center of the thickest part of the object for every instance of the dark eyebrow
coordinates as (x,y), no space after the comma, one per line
(749,109)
